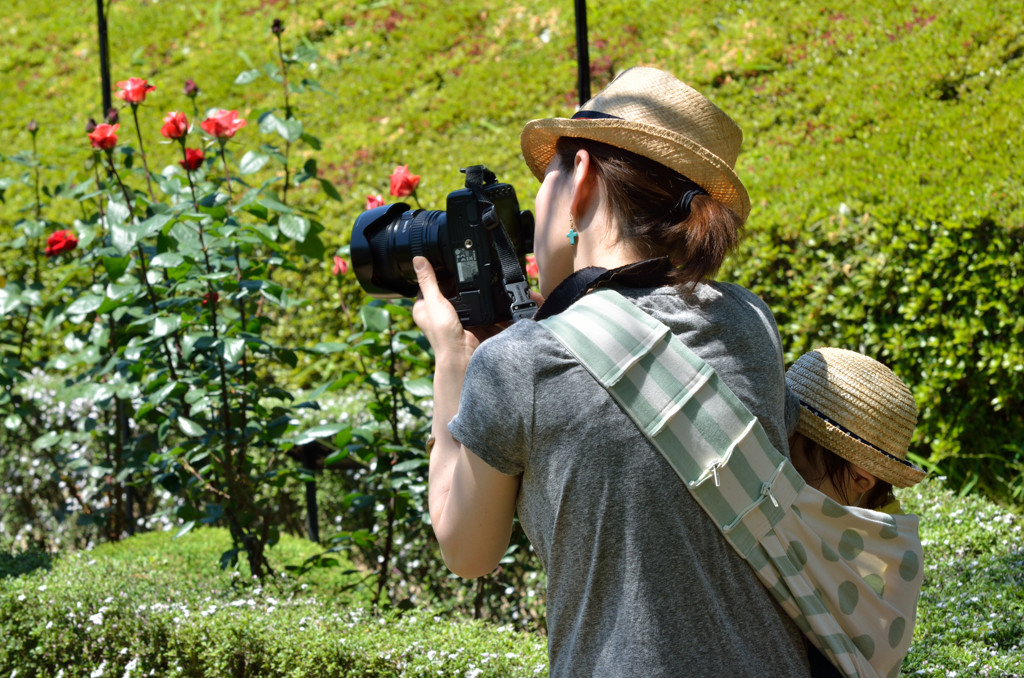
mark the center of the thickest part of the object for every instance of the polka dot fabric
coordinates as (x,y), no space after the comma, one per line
(849,577)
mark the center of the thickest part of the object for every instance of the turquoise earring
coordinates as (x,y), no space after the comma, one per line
(573,234)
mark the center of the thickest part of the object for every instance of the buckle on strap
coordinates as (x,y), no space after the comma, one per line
(765,493)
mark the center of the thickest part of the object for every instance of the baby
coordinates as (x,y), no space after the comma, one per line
(856,421)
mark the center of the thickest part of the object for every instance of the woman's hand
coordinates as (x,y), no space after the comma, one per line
(438,320)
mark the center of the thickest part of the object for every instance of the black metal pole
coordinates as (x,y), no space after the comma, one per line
(101,16)
(582,55)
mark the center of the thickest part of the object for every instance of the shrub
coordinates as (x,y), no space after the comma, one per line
(155,605)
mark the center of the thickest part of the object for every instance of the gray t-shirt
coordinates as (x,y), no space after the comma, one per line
(640,582)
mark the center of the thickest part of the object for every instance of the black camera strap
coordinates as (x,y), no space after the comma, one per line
(516,285)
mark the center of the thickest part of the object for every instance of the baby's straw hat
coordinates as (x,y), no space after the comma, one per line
(651,113)
(858,408)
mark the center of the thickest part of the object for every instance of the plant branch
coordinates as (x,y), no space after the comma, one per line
(142,152)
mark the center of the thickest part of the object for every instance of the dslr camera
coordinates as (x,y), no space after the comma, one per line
(477,248)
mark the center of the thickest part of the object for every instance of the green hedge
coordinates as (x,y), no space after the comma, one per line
(155,605)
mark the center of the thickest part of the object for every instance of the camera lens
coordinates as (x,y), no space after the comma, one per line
(384,241)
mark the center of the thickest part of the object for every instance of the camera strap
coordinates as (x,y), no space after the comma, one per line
(516,285)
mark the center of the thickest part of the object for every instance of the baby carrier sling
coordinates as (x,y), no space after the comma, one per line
(849,577)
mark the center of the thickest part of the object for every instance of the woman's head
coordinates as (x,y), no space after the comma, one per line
(664,156)
(858,409)
(659,211)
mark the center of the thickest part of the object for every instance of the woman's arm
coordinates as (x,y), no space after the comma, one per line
(471,503)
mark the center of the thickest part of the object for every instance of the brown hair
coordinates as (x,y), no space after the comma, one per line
(647,199)
(838,470)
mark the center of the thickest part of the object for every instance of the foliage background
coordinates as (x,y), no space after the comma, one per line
(882,151)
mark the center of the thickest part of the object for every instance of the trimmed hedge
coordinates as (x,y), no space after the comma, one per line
(153,605)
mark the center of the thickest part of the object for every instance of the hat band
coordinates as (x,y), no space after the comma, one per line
(593,115)
(822,415)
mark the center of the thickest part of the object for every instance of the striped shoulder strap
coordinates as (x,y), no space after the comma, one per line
(713,442)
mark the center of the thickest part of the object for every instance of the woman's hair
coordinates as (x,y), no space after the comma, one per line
(648,199)
(839,471)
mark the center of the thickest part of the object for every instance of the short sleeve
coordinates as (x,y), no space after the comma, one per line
(495,417)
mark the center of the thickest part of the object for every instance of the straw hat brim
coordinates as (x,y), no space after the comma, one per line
(669,148)
(897,472)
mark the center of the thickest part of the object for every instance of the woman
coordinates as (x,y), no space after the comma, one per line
(638,193)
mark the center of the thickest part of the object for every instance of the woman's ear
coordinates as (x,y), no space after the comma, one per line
(862,480)
(582,183)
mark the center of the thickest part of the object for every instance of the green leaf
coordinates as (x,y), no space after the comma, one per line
(245,77)
(46,440)
(316,432)
(375,318)
(115,266)
(252,162)
(117,214)
(154,224)
(233,349)
(190,428)
(123,239)
(85,304)
(294,226)
(421,388)
(410,465)
(275,205)
(167,260)
(164,325)
(330,190)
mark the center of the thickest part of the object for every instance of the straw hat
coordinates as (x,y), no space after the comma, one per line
(858,408)
(651,113)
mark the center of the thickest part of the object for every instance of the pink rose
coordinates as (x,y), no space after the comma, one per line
(193,159)
(403,183)
(373,201)
(175,125)
(340,266)
(223,124)
(61,242)
(104,136)
(134,90)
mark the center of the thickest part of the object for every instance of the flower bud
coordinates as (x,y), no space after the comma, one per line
(277,28)
(90,126)
(33,126)
(112,116)
(191,88)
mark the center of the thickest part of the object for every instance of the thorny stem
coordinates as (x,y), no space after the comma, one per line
(224,159)
(287,116)
(142,152)
(35,169)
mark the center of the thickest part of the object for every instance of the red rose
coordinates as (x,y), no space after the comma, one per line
(340,266)
(175,125)
(373,201)
(223,124)
(403,183)
(104,137)
(193,159)
(134,90)
(61,242)
(531,266)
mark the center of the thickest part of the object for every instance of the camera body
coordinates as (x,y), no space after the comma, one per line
(458,242)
